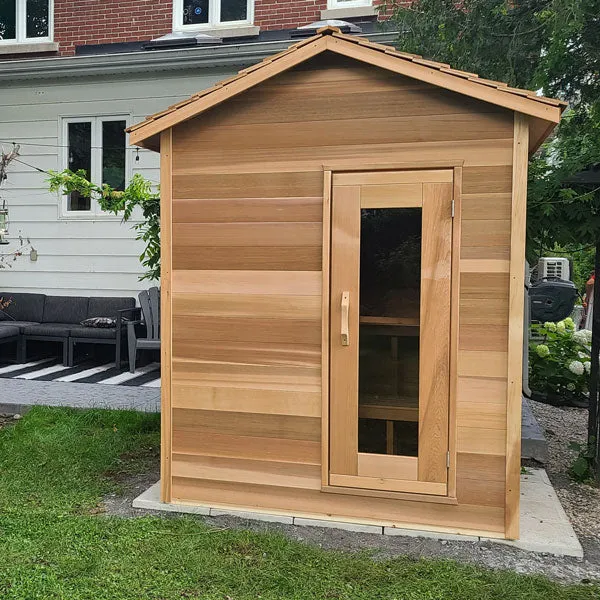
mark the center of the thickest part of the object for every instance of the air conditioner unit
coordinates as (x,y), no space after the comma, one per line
(553,268)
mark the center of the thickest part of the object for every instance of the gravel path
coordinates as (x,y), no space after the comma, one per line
(581,502)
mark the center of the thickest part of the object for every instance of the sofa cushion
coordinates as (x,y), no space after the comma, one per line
(20,325)
(25,307)
(8,332)
(65,309)
(108,306)
(94,332)
(49,329)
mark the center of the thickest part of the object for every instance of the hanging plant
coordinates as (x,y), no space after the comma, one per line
(139,193)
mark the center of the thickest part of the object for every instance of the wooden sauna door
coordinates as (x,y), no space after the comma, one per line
(391,245)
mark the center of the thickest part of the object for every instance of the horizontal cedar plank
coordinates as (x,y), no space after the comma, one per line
(335,68)
(186,441)
(483,265)
(247,400)
(248,210)
(248,305)
(492,311)
(197,160)
(486,206)
(481,363)
(484,285)
(485,467)
(483,337)
(479,180)
(244,185)
(479,440)
(251,258)
(480,491)
(266,353)
(240,329)
(293,104)
(236,235)
(481,403)
(487,253)
(312,503)
(481,412)
(247,471)
(288,376)
(248,424)
(278,283)
(483,233)
(323,88)
(404,129)
(487,388)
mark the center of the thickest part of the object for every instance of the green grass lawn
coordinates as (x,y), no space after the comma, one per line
(55,466)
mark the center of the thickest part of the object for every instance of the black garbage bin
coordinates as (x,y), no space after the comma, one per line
(552,299)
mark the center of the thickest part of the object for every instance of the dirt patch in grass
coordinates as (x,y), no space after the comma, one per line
(7,420)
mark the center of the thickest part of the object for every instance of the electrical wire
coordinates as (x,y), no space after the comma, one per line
(17,143)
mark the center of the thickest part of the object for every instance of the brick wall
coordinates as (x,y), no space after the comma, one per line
(79,22)
(287,14)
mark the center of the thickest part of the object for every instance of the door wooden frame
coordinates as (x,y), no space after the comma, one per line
(351,166)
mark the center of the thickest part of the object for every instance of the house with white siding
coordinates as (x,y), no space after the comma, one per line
(71,82)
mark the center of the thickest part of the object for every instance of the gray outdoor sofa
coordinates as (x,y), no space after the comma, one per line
(37,317)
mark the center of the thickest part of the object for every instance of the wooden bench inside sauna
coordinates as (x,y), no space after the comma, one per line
(343,244)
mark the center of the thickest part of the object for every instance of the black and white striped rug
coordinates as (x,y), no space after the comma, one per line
(49,369)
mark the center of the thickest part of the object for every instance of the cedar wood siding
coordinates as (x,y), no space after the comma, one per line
(247,291)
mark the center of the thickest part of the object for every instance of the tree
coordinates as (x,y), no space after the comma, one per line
(547,45)
(139,193)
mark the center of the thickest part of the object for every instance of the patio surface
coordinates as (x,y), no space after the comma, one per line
(18,395)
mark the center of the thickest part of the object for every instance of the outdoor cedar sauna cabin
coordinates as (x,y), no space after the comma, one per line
(343,240)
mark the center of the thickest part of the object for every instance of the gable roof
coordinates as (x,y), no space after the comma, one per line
(546,110)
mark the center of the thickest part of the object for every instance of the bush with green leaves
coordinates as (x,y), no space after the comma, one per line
(559,362)
(139,193)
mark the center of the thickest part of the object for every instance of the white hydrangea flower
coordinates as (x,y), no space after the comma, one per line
(587,365)
(561,327)
(569,323)
(581,337)
(576,367)
(550,326)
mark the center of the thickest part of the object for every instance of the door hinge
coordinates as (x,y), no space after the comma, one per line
(452,209)
(447,460)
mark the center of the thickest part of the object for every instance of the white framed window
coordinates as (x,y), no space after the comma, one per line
(98,145)
(26,21)
(331,4)
(210,14)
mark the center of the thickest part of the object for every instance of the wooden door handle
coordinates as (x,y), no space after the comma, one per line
(345,317)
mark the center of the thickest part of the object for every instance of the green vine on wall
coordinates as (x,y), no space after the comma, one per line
(139,193)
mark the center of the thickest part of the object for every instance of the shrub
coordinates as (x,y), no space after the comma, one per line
(559,362)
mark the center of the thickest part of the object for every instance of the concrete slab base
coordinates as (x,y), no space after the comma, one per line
(545,526)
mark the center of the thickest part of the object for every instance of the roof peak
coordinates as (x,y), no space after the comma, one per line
(330,38)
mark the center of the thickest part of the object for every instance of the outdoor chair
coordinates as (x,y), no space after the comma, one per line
(144,333)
